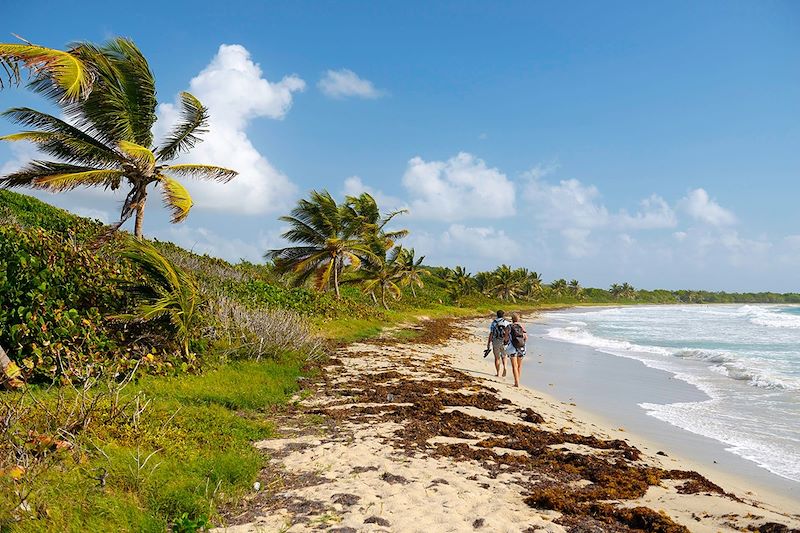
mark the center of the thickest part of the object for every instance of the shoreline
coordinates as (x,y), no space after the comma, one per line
(654,386)
(418,436)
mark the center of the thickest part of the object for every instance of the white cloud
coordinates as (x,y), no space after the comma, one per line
(90,212)
(354,185)
(654,213)
(233,88)
(462,187)
(481,241)
(202,240)
(699,206)
(345,83)
(568,207)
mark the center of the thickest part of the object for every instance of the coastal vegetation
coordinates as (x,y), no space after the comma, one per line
(137,374)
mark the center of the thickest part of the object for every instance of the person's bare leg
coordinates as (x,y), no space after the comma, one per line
(515,361)
(497,364)
(504,365)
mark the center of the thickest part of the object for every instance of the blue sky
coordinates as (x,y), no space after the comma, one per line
(619,141)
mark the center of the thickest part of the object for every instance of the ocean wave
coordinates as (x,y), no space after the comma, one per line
(771,317)
(721,362)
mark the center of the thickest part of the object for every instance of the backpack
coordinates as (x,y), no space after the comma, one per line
(517,335)
(501,330)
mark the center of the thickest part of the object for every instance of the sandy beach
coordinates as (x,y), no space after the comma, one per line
(420,436)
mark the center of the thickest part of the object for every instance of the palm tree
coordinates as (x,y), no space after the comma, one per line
(628,291)
(575,288)
(363,212)
(615,290)
(329,243)
(167,291)
(108,96)
(411,269)
(532,285)
(506,284)
(483,282)
(382,274)
(459,282)
(559,287)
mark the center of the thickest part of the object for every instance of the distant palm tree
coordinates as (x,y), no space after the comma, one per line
(108,96)
(506,283)
(559,287)
(483,282)
(575,288)
(381,274)
(459,282)
(531,282)
(411,269)
(615,290)
(328,243)
(628,291)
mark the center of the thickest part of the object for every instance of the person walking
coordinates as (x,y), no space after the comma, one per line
(499,335)
(515,349)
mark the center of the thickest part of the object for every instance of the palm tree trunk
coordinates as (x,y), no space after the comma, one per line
(374,298)
(336,277)
(413,292)
(137,230)
(383,297)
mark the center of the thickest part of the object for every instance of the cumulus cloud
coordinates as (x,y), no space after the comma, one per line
(698,205)
(462,187)
(235,91)
(654,213)
(345,83)
(569,207)
(485,242)
(354,185)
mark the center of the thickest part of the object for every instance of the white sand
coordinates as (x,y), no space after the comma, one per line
(392,491)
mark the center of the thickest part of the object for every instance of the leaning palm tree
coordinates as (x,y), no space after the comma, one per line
(411,269)
(381,274)
(362,211)
(166,291)
(328,243)
(506,284)
(108,97)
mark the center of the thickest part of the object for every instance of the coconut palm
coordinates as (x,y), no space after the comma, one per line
(615,290)
(411,269)
(329,243)
(506,283)
(628,291)
(166,291)
(108,97)
(575,288)
(459,282)
(559,287)
(363,212)
(381,274)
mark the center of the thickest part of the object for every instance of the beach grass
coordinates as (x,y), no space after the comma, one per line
(188,453)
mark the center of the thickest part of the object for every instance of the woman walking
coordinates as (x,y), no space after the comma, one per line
(515,350)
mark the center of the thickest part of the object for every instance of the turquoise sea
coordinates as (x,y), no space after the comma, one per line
(745,358)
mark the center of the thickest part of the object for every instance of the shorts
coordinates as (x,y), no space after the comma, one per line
(511,351)
(498,348)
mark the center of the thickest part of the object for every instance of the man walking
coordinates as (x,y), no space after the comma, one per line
(499,335)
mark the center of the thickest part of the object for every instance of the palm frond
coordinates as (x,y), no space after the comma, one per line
(176,198)
(29,174)
(143,157)
(66,149)
(87,178)
(69,77)
(209,172)
(186,133)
